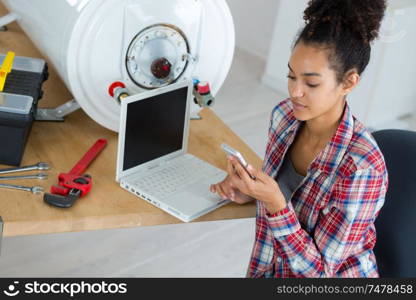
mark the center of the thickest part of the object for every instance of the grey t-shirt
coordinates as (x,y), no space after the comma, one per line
(287,178)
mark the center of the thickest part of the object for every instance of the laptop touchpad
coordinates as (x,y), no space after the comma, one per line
(193,199)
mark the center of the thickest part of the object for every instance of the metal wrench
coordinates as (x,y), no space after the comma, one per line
(40,176)
(38,166)
(33,190)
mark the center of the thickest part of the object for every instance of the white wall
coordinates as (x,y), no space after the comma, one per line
(254,24)
(289,20)
(394,90)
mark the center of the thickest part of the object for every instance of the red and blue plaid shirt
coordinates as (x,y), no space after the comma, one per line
(327,228)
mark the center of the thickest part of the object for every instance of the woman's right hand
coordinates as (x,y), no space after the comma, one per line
(226,191)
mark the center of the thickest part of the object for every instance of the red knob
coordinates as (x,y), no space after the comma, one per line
(203,87)
(113,86)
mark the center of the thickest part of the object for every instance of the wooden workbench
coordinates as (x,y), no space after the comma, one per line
(62,145)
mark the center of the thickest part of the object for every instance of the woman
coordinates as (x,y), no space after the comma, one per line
(324,178)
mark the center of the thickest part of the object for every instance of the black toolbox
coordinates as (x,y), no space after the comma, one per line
(18,106)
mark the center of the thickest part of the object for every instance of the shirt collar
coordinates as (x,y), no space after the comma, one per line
(330,157)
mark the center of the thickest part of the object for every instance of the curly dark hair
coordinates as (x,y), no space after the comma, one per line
(344,27)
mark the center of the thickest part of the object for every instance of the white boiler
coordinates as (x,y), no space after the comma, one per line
(145,44)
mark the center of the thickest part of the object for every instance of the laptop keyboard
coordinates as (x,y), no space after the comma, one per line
(175,176)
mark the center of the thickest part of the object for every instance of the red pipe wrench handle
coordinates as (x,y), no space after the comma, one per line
(91,154)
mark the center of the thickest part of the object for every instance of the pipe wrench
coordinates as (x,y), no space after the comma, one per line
(74,185)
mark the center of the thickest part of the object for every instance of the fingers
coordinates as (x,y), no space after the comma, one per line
(259,175)
(218,189)
(213,188)
(224,189)
(240,170)
(230,168)
(228,189)
(254,174)
(223,192)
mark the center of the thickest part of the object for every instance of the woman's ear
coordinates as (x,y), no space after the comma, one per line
(351,79)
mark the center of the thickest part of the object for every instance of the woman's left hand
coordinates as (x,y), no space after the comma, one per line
(264,188)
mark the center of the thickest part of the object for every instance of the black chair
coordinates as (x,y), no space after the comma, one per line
(395,248)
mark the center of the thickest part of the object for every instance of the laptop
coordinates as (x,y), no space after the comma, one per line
(152,158)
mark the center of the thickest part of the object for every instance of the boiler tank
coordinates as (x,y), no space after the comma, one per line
(145,44)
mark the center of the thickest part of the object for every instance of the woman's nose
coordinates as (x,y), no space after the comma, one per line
(296,91)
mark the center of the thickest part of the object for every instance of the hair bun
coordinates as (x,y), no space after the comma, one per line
(361,17)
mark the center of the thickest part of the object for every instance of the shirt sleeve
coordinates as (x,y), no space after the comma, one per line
(353,206)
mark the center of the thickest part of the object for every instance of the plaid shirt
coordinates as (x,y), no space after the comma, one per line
(327,228)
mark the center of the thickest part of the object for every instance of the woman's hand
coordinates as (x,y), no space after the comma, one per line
(226,190)
(264,188)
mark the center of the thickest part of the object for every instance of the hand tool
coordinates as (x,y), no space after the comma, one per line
(38,166)
(33,190)
(73,185)
(40,176)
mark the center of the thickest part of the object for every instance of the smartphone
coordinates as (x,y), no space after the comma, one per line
(230,151)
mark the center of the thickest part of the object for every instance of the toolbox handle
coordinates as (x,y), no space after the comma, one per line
(6,68)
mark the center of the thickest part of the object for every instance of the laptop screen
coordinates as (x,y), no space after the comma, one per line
(154,127)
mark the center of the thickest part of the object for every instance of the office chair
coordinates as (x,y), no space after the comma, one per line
(395,248)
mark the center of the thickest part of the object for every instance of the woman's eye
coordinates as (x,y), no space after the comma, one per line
(308,84)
